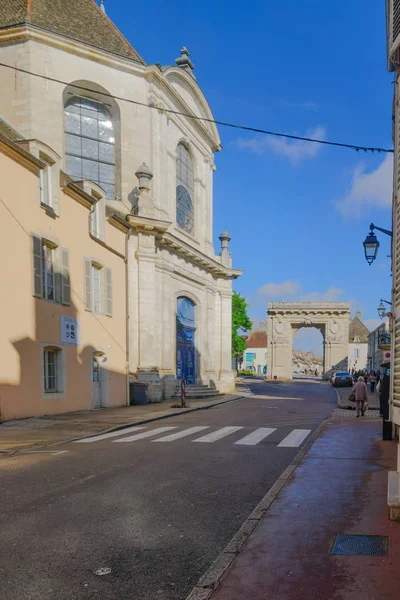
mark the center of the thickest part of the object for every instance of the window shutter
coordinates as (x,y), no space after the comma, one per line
(58,275)
(37,266)
(101,219)
(88,284)
(93,221)
(53,174)
(65,277)
(108,290)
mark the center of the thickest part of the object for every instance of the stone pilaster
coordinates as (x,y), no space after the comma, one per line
(149,338)
(226,380)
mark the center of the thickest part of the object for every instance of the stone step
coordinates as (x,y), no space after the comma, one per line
(197,387)
(200,394)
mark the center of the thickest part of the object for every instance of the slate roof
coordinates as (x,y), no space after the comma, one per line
(81,20)
(258,339)
(358,330)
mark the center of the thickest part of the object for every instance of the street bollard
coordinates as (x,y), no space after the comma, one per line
(183,394)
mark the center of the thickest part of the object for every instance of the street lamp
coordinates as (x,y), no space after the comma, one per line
(371,244)
(381,309)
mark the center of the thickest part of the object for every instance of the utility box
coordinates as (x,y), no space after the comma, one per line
(138,393)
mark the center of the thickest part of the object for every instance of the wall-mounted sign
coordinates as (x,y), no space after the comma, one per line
(387,355)
(69,331)
(250,357)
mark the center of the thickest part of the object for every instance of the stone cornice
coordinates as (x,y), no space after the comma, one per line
(207,263)
(76,192)
(20,155)
(148,224)
(303,309)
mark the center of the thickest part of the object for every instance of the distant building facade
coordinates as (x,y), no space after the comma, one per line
(358,344)
(255,355)
(379,342)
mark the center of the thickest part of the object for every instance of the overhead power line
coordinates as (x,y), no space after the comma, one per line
(356,147)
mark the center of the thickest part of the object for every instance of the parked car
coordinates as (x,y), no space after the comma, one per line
(342,378)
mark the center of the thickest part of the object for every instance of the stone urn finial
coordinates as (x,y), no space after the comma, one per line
(184,60)
(144,176)
(225,239)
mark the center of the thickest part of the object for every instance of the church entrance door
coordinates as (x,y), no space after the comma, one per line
(185,341)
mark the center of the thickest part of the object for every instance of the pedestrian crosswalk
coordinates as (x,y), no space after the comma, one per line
(293,439)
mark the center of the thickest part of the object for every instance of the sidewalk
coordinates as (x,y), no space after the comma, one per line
(33,433)
(339,487)
(343,394)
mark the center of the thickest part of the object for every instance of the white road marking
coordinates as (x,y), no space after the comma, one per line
(181,434)
(105,436)
(146,434)
(256,436)
(217,435)
(52,452)
(295,438)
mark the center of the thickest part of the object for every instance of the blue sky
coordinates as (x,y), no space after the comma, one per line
(297,213)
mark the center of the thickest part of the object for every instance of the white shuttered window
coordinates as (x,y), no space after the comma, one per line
(50,265)
(98,288)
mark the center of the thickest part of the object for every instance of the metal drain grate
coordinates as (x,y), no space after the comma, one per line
(360,545)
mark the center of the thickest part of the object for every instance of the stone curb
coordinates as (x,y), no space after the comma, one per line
(209,582)
(125,425)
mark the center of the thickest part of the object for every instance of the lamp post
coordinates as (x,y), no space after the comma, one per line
(381,309)
(371,244)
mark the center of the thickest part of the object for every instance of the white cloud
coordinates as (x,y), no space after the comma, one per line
(293,290)
(294,150)
(368,189)
(278,290)
(332,294)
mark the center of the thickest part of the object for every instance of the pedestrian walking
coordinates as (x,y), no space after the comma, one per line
(372,381)
(361,394)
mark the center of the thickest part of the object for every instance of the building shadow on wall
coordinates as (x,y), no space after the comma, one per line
(71,370)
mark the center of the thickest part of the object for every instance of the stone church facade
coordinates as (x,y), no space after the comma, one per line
(74,83)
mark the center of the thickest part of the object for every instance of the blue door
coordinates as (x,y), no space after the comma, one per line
(185,340)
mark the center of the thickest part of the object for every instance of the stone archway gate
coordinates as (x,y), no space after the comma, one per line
(332,319)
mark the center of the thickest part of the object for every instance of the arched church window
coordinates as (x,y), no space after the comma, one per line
(90,143)
(184,189)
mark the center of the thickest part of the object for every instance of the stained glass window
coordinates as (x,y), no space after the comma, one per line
(90,143)
(184,190)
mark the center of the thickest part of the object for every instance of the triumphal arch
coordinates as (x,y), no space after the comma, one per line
(332,319)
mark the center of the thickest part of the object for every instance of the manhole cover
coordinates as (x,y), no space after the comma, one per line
(103,571)
(360,545)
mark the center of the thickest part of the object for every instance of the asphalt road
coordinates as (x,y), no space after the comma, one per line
(155,513)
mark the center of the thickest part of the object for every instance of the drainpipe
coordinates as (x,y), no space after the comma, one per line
(127,312)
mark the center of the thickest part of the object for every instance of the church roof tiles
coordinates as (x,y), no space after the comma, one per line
(81,20)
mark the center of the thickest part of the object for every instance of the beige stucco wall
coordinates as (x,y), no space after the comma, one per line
(27,322)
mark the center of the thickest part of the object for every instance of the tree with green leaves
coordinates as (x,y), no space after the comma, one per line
(240,321)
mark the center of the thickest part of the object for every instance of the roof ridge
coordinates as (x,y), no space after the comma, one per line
(28,11)
(118,32)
